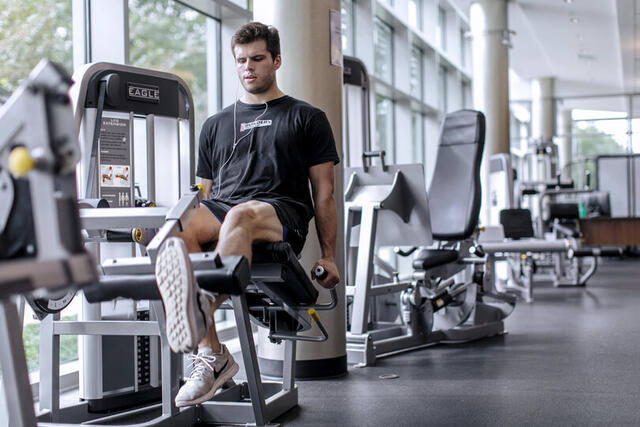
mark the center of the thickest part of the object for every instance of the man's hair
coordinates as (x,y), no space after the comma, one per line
(253,31)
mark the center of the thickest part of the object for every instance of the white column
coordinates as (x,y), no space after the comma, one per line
(543,117)
(565,153)
(489,30)
(307,74)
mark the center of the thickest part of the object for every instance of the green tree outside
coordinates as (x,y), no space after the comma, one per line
(29,31)
(589,143)
(167,36)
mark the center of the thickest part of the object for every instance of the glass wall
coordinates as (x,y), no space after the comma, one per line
(383,50)
(417,146)
(442,83)
(29,31)
(385,120)
(347,21)
(415,72)
(167,36)
(415,13)
(441,30)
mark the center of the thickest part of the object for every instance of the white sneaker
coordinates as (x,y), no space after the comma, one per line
(210,372)
(186,308)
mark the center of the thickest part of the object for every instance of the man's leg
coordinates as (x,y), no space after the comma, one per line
(244,225)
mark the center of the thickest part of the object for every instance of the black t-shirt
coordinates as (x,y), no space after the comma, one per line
(276,144)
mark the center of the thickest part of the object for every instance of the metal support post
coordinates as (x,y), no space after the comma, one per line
(250,358)
(14,368)
(364,269)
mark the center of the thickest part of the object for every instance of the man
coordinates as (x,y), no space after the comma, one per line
(256,159)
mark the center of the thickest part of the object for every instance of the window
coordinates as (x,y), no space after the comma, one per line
(384,127)
(167,36)
(415,72)
(383,51)
(415,13)
(346,12)
(464,92)
(463,48)
(442,80)
(29,31)
(595,133)
(391,3)
(441,29)
(417,137)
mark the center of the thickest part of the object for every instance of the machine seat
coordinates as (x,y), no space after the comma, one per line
(291,284)
(296,287)
(431,258)
(563,211)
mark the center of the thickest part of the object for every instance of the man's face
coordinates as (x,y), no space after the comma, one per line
(256,69)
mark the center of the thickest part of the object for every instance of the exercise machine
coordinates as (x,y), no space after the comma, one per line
(445,297)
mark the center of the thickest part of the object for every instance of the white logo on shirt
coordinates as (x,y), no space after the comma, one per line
(254,124)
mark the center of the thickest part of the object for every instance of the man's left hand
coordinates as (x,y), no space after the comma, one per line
(332,278)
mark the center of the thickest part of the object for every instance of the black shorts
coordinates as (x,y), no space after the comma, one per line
(294,229)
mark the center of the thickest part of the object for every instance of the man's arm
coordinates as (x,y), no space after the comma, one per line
(208,183)
(322,184)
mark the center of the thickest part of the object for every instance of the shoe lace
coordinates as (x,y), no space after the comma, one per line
(199,366)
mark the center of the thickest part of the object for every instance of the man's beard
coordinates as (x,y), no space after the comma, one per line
(268,83)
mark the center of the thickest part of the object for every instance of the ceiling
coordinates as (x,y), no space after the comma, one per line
(588,46)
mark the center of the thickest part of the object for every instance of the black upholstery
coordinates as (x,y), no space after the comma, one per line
(516,223)
(430,258)
(294,287)
(563,211)
(455,194)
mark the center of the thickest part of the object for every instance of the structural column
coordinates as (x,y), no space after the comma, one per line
(489,29)
(307,74)
(543,117)
(565,149)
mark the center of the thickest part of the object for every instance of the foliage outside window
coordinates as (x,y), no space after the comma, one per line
(346,12)
(167,36)
(415,72)
(383,51)
(29,31)
(384,127)
(593,138)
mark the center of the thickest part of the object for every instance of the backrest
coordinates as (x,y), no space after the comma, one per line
(516,223)
(455,194)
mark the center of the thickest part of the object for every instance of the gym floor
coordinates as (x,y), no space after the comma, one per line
(570,358)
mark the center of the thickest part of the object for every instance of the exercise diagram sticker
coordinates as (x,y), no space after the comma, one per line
(115,162)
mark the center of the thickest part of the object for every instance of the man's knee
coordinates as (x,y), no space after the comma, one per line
(245,214)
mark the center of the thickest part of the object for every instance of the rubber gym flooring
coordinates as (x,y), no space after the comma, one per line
(571,358)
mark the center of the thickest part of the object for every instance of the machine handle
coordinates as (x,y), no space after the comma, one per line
(371,154)
(400,252)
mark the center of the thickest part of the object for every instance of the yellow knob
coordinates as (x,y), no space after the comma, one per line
(201,187)
(20,161)
(138,235)
(314,315)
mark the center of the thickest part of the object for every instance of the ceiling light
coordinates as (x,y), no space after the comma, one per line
(574,20)
(568,1)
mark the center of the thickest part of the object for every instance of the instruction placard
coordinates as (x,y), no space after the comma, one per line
(115,162)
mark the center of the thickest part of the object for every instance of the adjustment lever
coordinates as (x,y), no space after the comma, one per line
(400,252)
